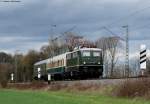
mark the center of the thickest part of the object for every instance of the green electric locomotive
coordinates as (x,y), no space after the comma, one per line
(84,63)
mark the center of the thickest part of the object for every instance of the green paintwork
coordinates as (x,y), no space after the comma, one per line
(90,60)
(56,70)
(73,63)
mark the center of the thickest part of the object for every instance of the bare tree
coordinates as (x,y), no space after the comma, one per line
(52,47)
(5,58)
(44,52)
(112,48)
(87,43)
(134,66)
(66,42)
(102,44)
(57,46)
(5,69)
(72,40)
(28,62)
(109,45)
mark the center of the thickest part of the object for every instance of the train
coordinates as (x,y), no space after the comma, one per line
(83,63)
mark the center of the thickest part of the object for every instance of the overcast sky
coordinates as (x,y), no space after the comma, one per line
(27,24)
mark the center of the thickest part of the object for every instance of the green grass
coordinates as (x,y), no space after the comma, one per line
(61,97)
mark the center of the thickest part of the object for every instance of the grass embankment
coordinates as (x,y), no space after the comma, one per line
(61,97)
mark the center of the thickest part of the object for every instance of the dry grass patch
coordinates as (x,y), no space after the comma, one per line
(74,87)
(23,86)
(133,88)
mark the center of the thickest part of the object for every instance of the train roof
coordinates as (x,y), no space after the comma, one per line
(41,62)
(63,56)
(87,49)
(56,58)
(93,49)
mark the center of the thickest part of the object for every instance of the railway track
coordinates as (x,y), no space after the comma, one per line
(85,82)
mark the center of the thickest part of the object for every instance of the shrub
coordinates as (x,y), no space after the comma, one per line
(38,84)
(57,87)
(4,69)
(33,85)
(133,88)
(84,87)
(3,83)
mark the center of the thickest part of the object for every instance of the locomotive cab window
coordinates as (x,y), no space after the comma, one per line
(85,53)
(75,54)
(69,56)
(96,54)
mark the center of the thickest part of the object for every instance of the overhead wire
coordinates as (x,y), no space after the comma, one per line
(125,18)
(128,16)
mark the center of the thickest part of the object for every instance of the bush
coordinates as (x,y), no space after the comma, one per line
(38,84)
(134,88)
(4,69)
(33,85)
(76,86)
(3,83)
(84,87)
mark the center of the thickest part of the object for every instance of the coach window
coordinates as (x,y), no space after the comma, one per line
(49,65)
(55,64)
(58,63)
(86,53)
(52,64)
(62,62)
(96,54)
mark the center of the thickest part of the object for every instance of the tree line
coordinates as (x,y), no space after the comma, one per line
(22,64)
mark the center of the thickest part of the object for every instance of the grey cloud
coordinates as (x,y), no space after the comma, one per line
(32,19)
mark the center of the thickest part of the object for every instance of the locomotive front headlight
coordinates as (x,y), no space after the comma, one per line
(84,62)
(99,63)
